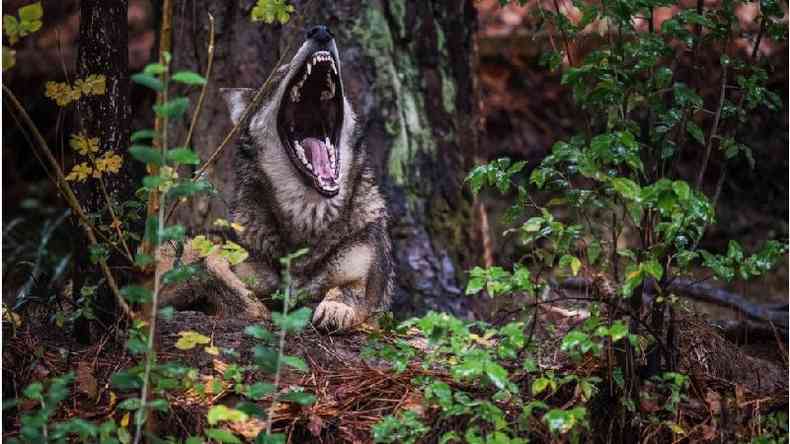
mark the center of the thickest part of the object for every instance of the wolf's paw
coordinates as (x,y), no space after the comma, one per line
(334,316)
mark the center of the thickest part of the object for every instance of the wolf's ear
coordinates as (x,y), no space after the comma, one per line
(237,100)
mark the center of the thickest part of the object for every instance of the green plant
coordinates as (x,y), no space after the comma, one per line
(616,212)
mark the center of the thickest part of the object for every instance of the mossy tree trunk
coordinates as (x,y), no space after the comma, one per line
(408,71)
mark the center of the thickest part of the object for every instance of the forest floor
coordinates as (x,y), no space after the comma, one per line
(731,386)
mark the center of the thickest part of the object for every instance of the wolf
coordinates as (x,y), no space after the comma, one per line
(303,180)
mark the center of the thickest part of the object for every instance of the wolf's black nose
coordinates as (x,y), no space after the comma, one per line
(320,34)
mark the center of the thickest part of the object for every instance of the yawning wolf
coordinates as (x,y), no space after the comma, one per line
(302,181)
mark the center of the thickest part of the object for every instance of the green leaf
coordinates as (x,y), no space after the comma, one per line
(179,274)
(259,332)
(148,81)
(31,12)
(146,154)
(533,224)
(143,134)
(618,331)
(270,11)
(136,295)
(153,182)
(189,188)
(299,397)
(294,321)
(539,385)
(260,390)
(125,380)
(274,438)
(233,252)
(189,78)
(653,268)
(572,262)
(695,132)
(627,188)
(184,156)
(223,436)
(594,250)
(295,362)
(497,374)
(172,108)
(173,232)
(632,280)
(682,189)
(154,69)
(130,404)
(219,413)
(266,359)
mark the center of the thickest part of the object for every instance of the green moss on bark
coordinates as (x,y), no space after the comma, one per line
(398,83)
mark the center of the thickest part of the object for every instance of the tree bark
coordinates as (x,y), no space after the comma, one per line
(103,43)
(408,71)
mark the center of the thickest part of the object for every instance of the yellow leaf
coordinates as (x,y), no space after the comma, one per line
(9,315)
(213,350)
(169,175)
(95,84)
(125,420)
(114,162)
(9,58)
(83,144)
(238,227)
(60,92)
(189,339)
(80,172)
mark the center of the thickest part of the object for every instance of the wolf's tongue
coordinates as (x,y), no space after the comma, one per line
(319,157)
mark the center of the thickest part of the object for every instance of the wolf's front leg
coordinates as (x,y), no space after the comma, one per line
(356,282)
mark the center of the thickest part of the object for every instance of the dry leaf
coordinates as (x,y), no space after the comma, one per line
(85,381)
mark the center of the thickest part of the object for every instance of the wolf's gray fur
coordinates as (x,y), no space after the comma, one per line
(349,265)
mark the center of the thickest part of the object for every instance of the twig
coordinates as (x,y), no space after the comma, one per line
(68,194)
(715,128)
(199,106)
(115,220)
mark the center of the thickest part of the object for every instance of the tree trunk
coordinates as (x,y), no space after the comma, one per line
(407,69)
(103,43)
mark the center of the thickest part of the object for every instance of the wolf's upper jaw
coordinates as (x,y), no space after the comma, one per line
(310,120)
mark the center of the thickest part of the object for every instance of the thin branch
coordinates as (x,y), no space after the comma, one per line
(68,194)
(199,106)
(714,129)
(115,220)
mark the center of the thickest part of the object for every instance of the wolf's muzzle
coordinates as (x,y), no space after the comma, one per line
(321,34)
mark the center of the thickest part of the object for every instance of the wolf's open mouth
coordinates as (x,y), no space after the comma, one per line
(310,119)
